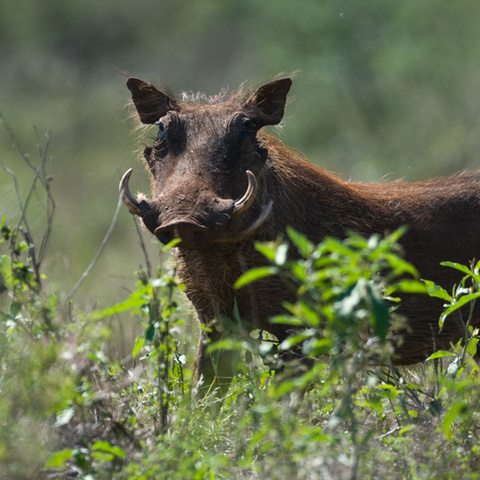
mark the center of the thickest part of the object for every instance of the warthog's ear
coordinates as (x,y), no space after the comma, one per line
(267,105)
(151,103)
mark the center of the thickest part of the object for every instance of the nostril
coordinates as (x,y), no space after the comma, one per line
(165,237)
(198,237)
(191,234)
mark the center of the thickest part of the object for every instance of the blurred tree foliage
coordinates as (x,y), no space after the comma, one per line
(385,88)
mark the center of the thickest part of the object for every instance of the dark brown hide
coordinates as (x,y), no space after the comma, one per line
(220,183)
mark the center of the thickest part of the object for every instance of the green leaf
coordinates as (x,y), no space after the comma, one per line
(225,344)
(15,308)
(451,415)
(406,286)
(463,269)
(58,459)
(395,236)
(108,448)
(139,343)
(436,291)
(293,340)
(304,313)
(406,429)
(236,313)
(253,275)
(267,250)
(458,304)
(284,387)
(298,270)
(472,346)
(337,246)
(380,316)
(135,300)
(300,241)
(348,305)
(440,354)
(317,346)
(400,265)
(150,332)
(172,244)
(286,320)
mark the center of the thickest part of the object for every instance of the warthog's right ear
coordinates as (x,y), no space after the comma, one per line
(151,103)
(267,105)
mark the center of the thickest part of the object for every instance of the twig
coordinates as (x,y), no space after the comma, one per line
(40,175)
(144,250)
(50,208)
(390,432)
(100,250)
(15,141)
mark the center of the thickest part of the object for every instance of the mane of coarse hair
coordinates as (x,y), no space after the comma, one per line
(229,98)
(234,98)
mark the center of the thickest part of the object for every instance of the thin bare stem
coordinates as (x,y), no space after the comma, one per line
(99,252)
(15,141)
(41,176)
(144,249)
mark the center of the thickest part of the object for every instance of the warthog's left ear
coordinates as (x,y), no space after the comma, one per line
(151,103)
(267,105)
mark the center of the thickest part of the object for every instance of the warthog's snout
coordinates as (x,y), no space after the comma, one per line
(213,216)
(192,234)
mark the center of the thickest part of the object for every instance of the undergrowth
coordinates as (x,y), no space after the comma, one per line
(70,410)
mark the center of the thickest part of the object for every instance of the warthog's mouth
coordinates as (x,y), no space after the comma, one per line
(192,232)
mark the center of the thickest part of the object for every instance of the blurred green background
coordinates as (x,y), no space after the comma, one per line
(384,89)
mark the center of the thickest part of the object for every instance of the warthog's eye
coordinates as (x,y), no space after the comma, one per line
(161,137)
(246,124)
(246,128)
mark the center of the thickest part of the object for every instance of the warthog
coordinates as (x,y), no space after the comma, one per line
(221,183)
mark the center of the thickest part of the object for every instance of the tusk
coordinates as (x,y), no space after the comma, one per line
(246,201)
(128,199)
(265,212)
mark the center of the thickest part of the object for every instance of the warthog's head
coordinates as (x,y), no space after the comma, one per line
(205,163)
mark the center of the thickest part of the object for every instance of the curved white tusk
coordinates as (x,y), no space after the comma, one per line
(264,213)
(244,203)
(128,199)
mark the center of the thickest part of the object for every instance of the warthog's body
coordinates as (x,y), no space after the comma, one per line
(220,183)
